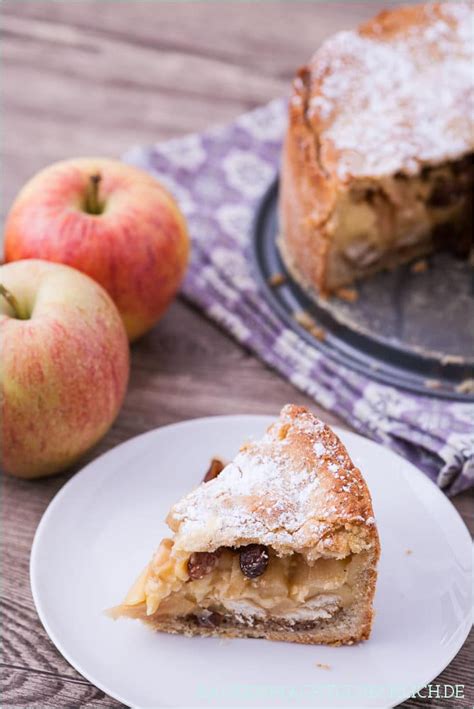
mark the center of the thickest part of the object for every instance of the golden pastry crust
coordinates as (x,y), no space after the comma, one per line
(295,490)
(366,127)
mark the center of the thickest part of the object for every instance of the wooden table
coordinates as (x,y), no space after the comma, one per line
(92,78)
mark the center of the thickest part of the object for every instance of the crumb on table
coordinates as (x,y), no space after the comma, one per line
(323,666)
(305,320)
(408,552)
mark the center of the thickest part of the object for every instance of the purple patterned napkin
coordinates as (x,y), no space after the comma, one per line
(218,178)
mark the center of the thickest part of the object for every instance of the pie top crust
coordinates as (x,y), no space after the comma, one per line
(392,96)
(296,491)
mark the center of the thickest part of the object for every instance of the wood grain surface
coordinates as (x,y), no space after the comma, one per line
(92,78)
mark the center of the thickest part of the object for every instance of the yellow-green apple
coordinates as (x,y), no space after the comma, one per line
(110,220)
(64,364)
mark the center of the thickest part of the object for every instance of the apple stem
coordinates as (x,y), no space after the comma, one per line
(93,204)
(13,303)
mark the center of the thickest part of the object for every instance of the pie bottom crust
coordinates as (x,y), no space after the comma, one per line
(352,626)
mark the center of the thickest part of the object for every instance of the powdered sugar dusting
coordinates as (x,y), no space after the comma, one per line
(275,489)
(319,448)
(388,103)
(263,499)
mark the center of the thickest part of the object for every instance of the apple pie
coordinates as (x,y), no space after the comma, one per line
(282,544)
(377,164)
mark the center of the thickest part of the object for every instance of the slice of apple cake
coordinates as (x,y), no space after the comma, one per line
(282,544)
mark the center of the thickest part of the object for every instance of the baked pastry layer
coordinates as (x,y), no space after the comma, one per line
(377,163)
(282,544)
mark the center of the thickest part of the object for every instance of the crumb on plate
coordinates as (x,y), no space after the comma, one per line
(350,295)
(432,383)
(276,279)
(420,266)
(305,320)
(466,387)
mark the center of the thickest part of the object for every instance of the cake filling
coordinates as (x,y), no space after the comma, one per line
(378,225)
(248,584)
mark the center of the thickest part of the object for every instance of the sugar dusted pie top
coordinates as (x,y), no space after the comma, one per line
(295,490)
(395,93)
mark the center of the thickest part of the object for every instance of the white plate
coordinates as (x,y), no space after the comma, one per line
(102,527)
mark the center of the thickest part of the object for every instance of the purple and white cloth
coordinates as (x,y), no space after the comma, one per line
(218,177)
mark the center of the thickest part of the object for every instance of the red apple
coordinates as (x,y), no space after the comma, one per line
(64,364)
(112,221)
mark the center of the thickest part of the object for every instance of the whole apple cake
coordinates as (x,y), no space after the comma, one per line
(377,162)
